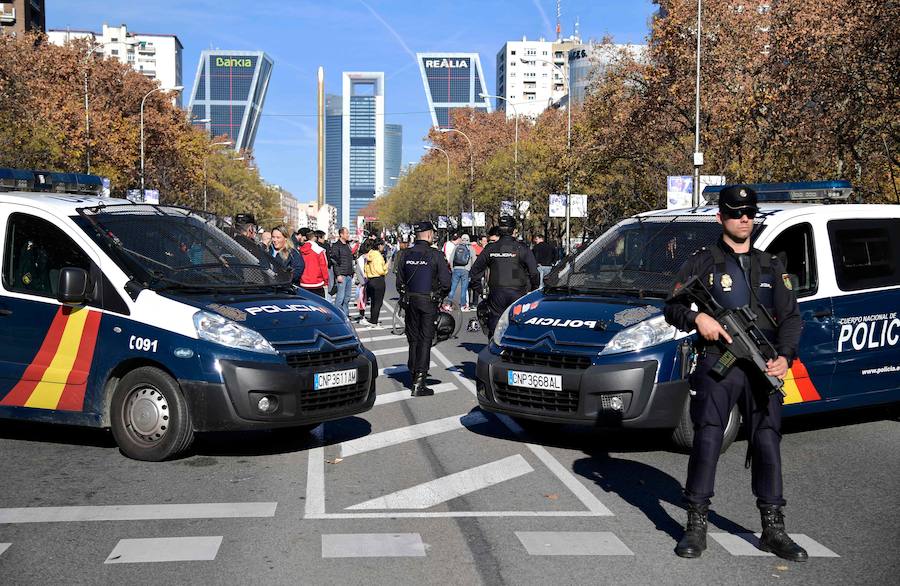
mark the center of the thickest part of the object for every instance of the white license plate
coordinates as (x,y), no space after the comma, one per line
(338,378)
(534,380)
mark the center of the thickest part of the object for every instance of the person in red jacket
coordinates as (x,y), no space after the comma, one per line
(315,275)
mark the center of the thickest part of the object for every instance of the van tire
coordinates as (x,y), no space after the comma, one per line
(683,435)
(149,417)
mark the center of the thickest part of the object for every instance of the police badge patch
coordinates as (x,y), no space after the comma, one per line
(726,282)
(787,281)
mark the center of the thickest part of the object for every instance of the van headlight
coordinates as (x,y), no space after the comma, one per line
(215,328)
(502,324)
(649,332)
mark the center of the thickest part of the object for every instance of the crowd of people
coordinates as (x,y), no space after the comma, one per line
(351,273)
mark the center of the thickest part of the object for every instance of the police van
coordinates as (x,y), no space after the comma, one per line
(593,347)
(149,320)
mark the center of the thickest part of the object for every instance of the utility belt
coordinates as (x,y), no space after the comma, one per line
(433,296)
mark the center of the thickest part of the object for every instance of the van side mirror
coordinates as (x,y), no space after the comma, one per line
(74,285)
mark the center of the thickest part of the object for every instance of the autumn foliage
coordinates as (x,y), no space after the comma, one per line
(807,90)
(43,126)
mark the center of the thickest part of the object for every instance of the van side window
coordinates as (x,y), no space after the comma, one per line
(866,252)
(34,252)
(796,249)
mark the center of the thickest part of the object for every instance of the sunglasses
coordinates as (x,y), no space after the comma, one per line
(735,214)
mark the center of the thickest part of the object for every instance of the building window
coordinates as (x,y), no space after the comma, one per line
(530,52)
(545,52)
(512,74)
(512,52)
(115,51)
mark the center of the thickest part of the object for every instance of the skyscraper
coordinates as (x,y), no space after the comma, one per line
(334,151)
(526,77)
(362,142)
(393,153)
(452,81)
(230,90)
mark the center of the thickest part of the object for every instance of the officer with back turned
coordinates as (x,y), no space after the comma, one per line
(737,275)
(423,279)
(513,272)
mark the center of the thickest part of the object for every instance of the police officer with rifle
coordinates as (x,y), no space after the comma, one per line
(423,279)
(513,273)
(749,329)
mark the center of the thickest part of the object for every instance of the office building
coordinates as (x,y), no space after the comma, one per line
(452,81)
(230,90)
(362,143)
(156,56)
(334,151)
(589,61)
(393,154)
(20,16)
(530,74)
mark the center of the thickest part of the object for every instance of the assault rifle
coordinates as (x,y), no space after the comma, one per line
(749,342)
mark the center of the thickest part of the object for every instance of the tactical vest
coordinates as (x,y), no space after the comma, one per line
(507,270)
(419,272)
(729,284)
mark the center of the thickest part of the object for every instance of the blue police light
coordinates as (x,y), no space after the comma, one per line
(800,191)
(49,181)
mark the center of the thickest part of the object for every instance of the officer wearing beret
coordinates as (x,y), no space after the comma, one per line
(737,275)
(423,279)
(513,272)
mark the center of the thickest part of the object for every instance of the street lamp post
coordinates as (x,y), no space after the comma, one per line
(177,88)
(698,156)
(471,163)
(515,143)
(87,115)
(434,148)
(565,77)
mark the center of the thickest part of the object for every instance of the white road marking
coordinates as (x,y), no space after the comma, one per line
(405,395)
(572,543)
(165,549)
(4,547)
(401,435)
(441,490)
(315,483)
(385,351)
(372,545)
(745,544)
(137,512)
(399,369)
(381,338)
(454,514)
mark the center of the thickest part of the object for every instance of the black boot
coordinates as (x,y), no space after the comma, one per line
(420,389)
(693,542)
(775,539)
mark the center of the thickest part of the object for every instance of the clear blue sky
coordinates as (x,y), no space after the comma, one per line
(347,35)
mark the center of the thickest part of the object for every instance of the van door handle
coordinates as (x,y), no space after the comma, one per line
(822,313)
(5,312)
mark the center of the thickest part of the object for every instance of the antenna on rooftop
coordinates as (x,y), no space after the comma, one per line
(577,29)
(558,20)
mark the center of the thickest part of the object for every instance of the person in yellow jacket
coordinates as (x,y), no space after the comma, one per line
(375,270)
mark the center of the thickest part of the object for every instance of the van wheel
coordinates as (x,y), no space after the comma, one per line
(683,435)
(149,417)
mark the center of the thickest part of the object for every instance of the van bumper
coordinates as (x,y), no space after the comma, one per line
(586,395)
(232,405)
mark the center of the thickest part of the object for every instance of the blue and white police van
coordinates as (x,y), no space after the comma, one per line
(592,347)
(149,320)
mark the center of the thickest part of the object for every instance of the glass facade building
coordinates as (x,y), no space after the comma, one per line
(362,143)
(333,151)
(230,90)
(393,153)
(452,81)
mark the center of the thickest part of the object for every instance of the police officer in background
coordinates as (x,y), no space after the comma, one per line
(513,272)
(737,275)
(423,279)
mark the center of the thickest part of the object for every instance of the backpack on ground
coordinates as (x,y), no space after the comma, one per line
(461,255)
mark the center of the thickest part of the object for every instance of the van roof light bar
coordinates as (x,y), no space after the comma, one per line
(50,182)
(796,192)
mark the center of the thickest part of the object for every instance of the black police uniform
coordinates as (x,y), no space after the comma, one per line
(513,273)
(759,280)
(423,279)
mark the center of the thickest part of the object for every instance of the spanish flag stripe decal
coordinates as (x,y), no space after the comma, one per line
(35,371)
(73,395)
(798,386)
(47,392)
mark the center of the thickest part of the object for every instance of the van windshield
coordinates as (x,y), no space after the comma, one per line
(174,248)
(637,257)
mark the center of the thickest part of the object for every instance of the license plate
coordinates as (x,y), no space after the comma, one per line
(338,378)
(534,380)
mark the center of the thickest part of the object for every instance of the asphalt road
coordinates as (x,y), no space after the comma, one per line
(432,490)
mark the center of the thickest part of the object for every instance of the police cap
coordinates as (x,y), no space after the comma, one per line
(507,222)
(424,226)
(244,219)
(735,197)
